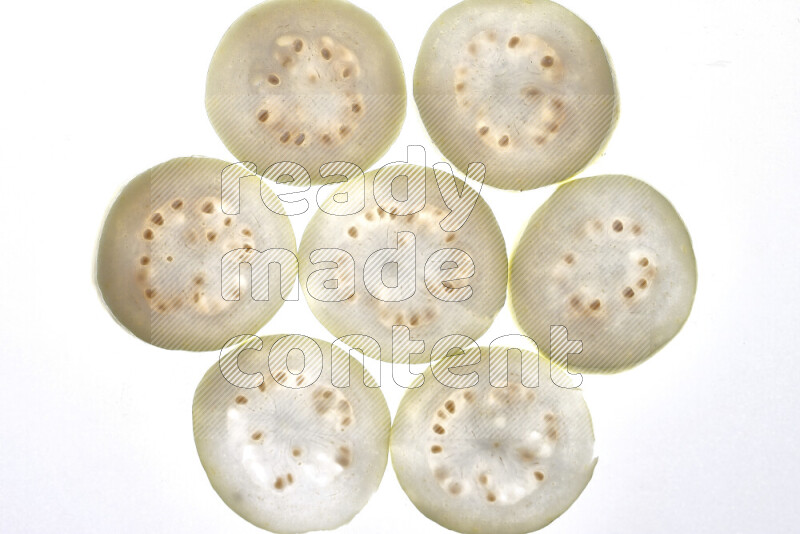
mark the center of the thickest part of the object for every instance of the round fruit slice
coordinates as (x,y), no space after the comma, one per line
(308,82)
(160,256)
(610,259)
(392,264)
(294,445)
(488,459)
(522,86)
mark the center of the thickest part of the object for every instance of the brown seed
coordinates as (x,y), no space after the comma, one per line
(644,262)
(344,130)
(149,293)
(144,260)
(353,232)
(247,232)
(455,488)
(575,302)
(285,137)
(169,258)
(208,207)
(346,73)
(436,449)
(627,293)
(211,236)
(450,406)
(298,45)
(439,429)
(157,219)
(296,452)
(514,41)
(356,108)
(569,258)
(290,478)
(300,139)
(178,204)
(617,225)
(273,80)
(279,483)
(148,234)
(642,283)
(256,436)
(326,54)
(460,87)
(503,141)
(547,61)
(241,399)
(491,497)
(263,116)
(539,475)
(227,221)
(595,305)
(484,130)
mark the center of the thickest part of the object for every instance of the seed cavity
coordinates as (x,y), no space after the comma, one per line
(326,54)
(455,488)
(346,73)
(298,45)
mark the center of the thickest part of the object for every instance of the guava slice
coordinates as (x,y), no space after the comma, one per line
(522,86)
(480,458)
(297,446)
(159,257)
(609,258)
(335,250)
(308,82)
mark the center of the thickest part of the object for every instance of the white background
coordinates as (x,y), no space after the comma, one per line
(96,425)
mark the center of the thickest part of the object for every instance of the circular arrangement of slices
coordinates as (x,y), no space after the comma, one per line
(308,82)
(403,263)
